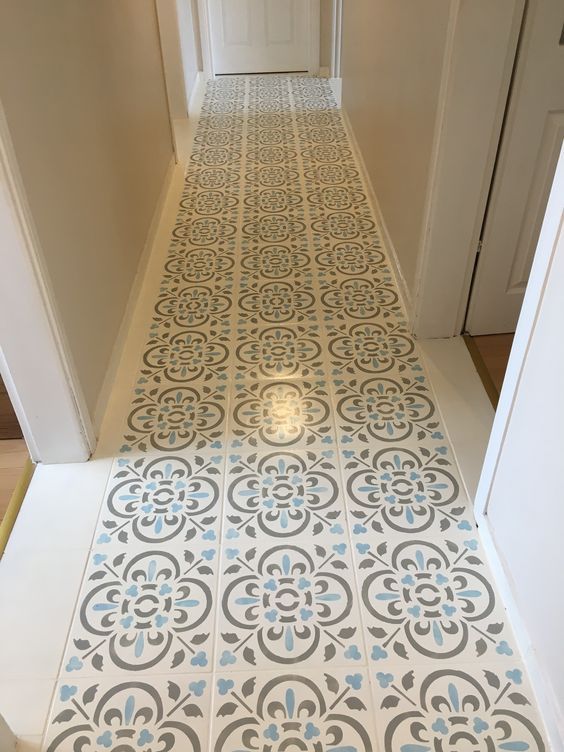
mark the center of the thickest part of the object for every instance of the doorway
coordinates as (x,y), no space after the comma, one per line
(532,135)
(13,450)
(264,36)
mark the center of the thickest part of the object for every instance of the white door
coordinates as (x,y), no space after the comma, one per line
(261,36)
(529,150)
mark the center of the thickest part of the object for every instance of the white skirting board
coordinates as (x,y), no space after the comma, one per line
(102,402)
(386,238)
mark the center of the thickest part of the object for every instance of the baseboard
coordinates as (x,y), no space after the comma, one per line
(544,695)
(115,358)
(405,294)
(324,71)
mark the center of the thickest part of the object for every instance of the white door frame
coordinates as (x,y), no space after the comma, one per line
(336,38)
(472,100)
(35,360)
(206,37)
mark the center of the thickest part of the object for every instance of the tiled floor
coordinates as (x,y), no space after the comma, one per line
(285,559)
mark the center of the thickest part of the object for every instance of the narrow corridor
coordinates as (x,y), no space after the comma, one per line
(285,558)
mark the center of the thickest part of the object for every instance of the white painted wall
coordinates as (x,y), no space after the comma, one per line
(7,739)
(188,26)
(326,33)
(521,487)
(83,91)
(392,63)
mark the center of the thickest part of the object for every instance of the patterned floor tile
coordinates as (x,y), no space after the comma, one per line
(175,355)
(281,414)
(173,418)
(371,347)
(410,489)
(295,711)
(347,298)
(279,351)
(267,301)
(348,258)
(274,262)
(195,266)
(195,305)
(288,603)
(282,494)
(149,611)
(389,409)
(131,714)
(211,178)
(162,499)
(271,175)
(428,600)
(455,707)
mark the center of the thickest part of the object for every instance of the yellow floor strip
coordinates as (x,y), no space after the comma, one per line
(15,503)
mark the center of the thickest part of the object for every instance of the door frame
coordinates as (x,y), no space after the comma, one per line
(474,89)
(35,359)
(206,36)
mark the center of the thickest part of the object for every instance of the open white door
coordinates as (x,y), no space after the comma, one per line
(519,499)
(264,36)
(530,147)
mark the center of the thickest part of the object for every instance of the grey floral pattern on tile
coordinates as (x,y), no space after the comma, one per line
(336,198)
(385,409)
(131,716)
(274,200)
(279,351)
(162,499)
(325,712)
(402,489)
(176,418)
(274,261)
(208,202)
(211,178)
(349,258)
(275,302)
(139,611)
(285,605)
(204,232)
(357,298)
(371,348)
(271,176)
(343,226)
(281,414)
(194,305)
(198,265)
(425,601)
(283,494)
(444,709)
(187,355)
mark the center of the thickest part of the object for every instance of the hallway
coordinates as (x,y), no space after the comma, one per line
(285,558)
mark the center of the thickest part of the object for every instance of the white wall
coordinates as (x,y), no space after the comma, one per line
(326,33)
(83,91)
(188,25)
(391,67)
(7,739)
(521,479)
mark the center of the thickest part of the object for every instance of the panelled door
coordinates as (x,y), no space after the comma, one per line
(529,150)
(260,36)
